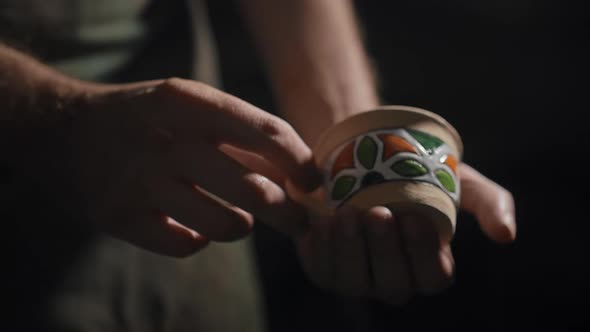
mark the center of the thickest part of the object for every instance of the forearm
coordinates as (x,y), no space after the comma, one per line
(24,82)
(316,59)
(32,99)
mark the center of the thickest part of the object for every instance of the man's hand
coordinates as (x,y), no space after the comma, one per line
(149,151)
(321,75)
(393,257)
(145,161)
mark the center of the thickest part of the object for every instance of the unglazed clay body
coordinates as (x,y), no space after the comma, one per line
(404,158)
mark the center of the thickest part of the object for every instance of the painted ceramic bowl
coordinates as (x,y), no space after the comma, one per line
(401,157)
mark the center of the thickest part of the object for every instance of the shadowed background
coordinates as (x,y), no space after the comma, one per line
(511,77)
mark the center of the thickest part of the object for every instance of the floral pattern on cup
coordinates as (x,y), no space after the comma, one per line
(391,155)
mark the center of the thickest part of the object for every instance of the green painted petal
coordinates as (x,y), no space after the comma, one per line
(429,142)
(446,180)
(366,152)
(409,168)
(342,187)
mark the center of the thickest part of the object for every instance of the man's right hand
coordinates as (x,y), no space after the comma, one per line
(147,162)
(149,158)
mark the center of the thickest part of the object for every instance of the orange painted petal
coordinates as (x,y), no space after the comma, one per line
(344,160)
(451,162)
(394,144)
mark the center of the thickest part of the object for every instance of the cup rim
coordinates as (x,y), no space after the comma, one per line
(323,139)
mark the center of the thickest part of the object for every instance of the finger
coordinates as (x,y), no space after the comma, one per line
(447,261)
(423,249)
(351,269)
(155,232)
(233,121)
(127,89)
(492,205)
(126,212)
(198,211)
(391,274)
(215,172)
(315,252)
(255,163)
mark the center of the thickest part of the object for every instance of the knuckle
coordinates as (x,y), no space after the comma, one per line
(265,193)
(174,86)
(166,87)
(172,83)
(277,129)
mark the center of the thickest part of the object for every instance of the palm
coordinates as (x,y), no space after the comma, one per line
(392,257)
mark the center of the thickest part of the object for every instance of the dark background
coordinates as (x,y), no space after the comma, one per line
(511,76)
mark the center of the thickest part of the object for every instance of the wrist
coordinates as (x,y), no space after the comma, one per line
(36,105)
(32,94)
(312,109)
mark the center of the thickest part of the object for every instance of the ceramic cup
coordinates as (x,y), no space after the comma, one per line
(401,157)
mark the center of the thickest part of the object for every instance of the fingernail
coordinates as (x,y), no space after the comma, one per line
(510,223)
(447,262)
(382,222)
(508,219)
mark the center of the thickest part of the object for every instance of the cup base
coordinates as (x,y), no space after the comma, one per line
(401,197)
(421,198)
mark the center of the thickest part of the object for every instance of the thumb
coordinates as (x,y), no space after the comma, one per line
(492,205)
